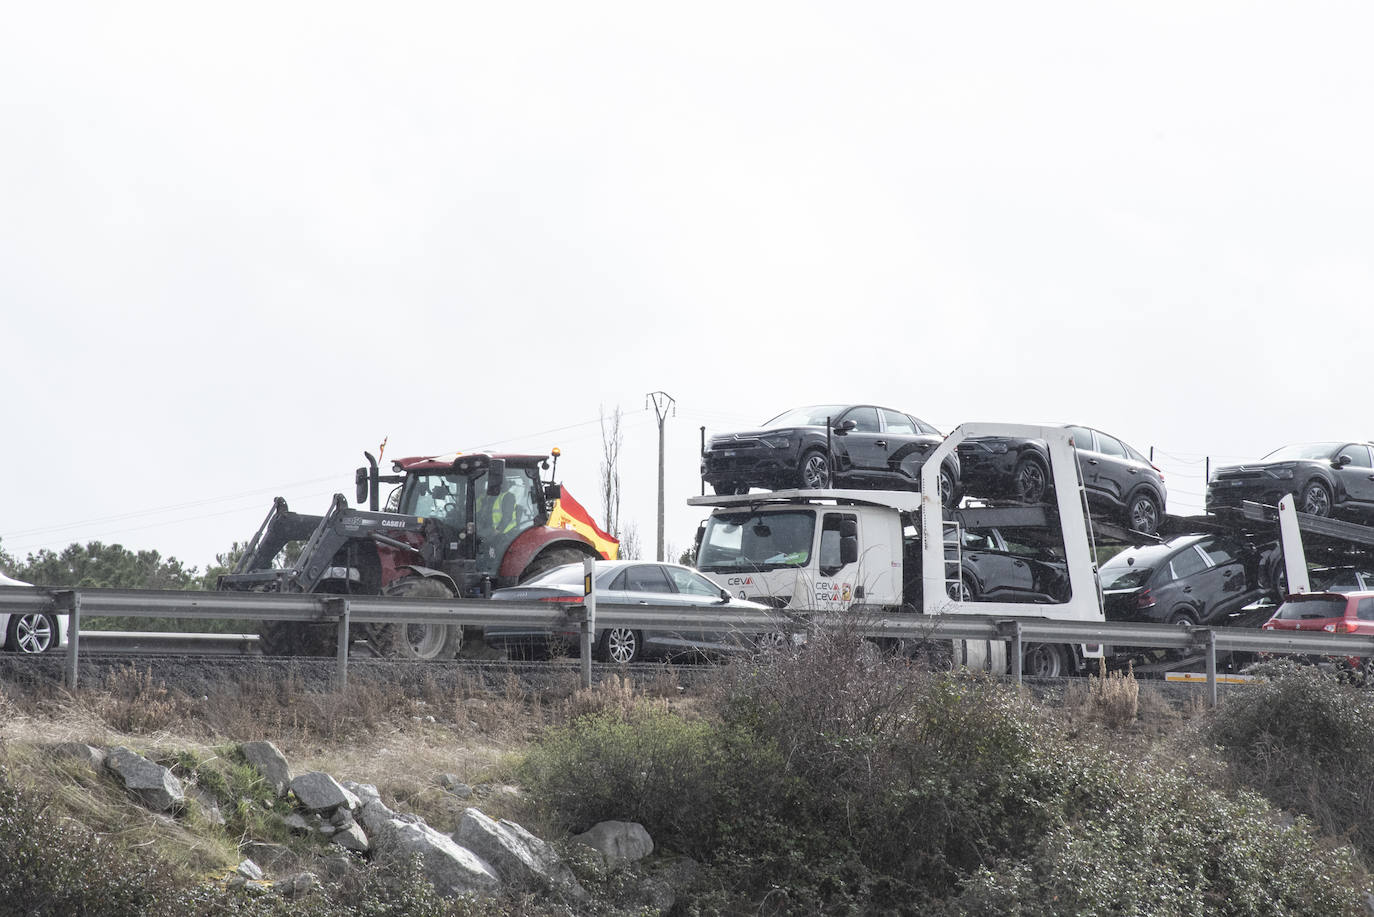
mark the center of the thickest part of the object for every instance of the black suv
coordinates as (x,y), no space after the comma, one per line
(870,447)
(1119,480)
(1326,479)
(1190,579)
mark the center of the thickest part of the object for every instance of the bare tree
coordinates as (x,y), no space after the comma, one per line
(629,543)
(611,438)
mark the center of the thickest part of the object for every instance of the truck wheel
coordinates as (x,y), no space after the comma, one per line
(1042,660)
(418,641)
(553,557)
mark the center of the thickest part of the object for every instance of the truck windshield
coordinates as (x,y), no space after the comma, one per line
(757,541)
(437,496)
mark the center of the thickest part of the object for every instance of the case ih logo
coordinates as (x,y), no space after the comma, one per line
(393,523)
(740,581)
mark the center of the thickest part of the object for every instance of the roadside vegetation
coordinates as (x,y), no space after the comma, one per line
(831,780)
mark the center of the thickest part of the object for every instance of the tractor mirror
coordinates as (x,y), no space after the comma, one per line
(496,477)
(553,491)
(360,478)
(849,549)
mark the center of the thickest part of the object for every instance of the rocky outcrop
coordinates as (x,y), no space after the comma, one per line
(319,792)
(452,869)
(268,760)
(155,786)
(617,841)
(518,857)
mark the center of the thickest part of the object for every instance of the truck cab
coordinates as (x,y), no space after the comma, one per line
(807,550)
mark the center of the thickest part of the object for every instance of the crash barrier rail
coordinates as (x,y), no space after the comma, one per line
(345,610)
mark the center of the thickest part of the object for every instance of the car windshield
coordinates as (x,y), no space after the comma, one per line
(1299,451)
(1308,607)
(813,416)
(757,541)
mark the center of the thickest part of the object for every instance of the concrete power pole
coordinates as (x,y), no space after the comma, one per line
(662,401)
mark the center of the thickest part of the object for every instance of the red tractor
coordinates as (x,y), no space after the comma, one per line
(456,526)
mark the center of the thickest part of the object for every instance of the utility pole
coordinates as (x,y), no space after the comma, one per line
(662,401)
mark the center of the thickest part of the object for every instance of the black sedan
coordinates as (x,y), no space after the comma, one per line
(626,582)
(1121,483)
(1190,579)
(869,447)
(1326,479)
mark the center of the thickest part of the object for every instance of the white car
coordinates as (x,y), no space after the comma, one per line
(31,632)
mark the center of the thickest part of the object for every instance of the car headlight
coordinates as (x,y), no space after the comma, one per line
(776,442)
(1281,473)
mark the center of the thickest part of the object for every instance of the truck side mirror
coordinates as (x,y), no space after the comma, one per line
(849,549)
(496,477)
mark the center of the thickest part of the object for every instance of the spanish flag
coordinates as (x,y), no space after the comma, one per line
(569,514)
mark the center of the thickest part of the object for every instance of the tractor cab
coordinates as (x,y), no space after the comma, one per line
(482,501)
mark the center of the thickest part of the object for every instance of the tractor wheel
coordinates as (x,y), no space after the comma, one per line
(418,641)
(295,638)
(553,557)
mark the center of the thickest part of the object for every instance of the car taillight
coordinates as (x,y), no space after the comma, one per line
(1144,600)
(1342,627)
(562,598)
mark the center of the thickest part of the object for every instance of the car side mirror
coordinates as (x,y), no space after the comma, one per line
(845,427)
(725,596)
(1341,461)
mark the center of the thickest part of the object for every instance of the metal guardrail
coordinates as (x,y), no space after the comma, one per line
(344,610)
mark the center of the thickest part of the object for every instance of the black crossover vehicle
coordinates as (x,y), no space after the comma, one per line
(1326,479)
(998,568)
(870,447)
(1190,579)
(1120,482)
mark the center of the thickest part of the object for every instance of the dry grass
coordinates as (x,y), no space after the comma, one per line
(1114,697)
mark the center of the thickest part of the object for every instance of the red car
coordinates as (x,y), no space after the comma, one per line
(1333,612)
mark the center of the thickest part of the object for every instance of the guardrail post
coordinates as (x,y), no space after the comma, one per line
(72,600)
(1211,667)
(339,607)
(589,622)
(1012,631)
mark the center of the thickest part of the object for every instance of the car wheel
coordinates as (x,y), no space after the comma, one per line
(815,471)
(1181,618)
(621,646)
(1043,660)
(1315,499)
(1280,581)
(949,491)
(771,642)
(1030,481)
(729,489)
(963,589)
(31,633)
(1143,513)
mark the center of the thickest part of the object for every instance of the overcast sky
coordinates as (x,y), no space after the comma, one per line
(241,244)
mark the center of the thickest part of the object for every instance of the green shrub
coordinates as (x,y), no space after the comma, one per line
(834,781)
(55,866)
(1304,738)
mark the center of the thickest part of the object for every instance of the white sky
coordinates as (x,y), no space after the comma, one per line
(240,245)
